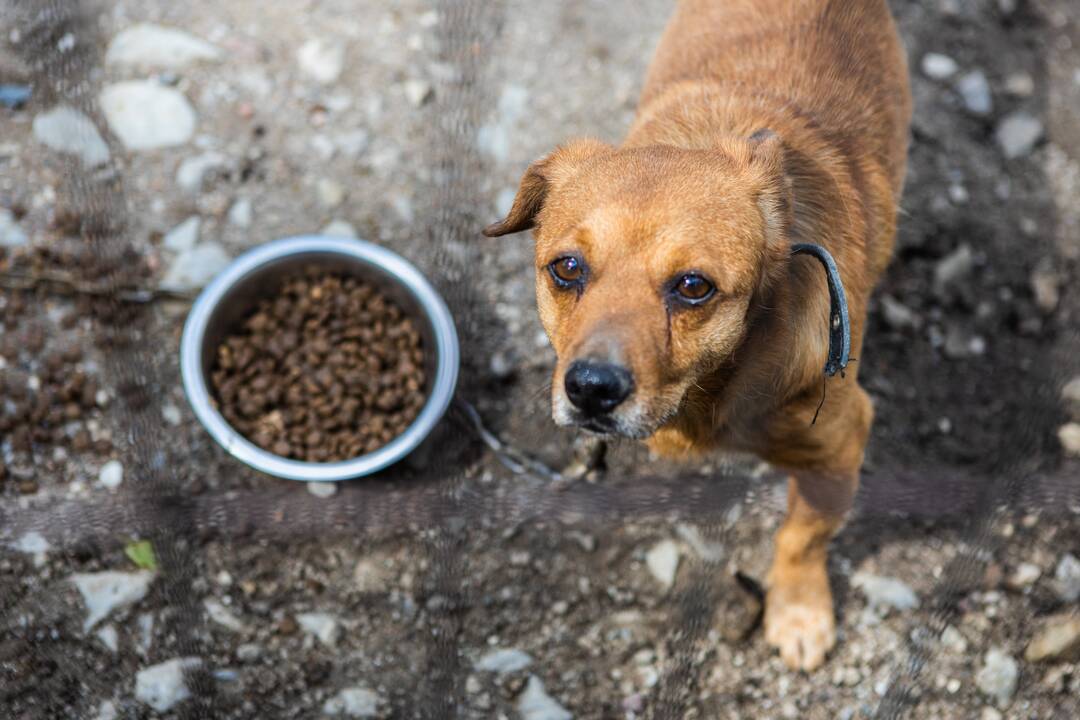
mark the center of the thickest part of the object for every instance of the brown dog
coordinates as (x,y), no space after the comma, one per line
(664,271)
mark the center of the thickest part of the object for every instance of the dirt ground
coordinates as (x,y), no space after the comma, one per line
(390,597)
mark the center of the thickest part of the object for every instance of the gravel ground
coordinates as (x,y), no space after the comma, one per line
(482,593)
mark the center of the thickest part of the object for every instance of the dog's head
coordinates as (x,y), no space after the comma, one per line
(648,263)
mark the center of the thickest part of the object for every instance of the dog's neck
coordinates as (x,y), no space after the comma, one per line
(783,352)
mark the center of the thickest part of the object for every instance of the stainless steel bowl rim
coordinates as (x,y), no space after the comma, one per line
(439,397)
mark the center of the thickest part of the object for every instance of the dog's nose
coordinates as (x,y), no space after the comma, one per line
(597,387)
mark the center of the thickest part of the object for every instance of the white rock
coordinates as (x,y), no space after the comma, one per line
(145,623)
(989,713)
(66,130)
(11,235)
(503,661)
(1067,578)
(107,711)
(954,641)
(998,675)
(1018,133)
(1020,84)
(1044,286)
(372,576)
(32,543)
(184,236)
(709,551)
(938,67)
(193,170)
(223,617)
(108,637)
(322,489)
(663,562)
(954,266)
(1071,395)
(339,228)
(171,414)
(241,213)
(193,269)
(898,315)
(162,686)
(154,46)
(104,592)
(1069,435)
(974,88)
(353,702)
(331,194)
(322,60)
(535,704)
(885,592)
(324,626)
(111,474)
(248,652)
(148,116)
(418,92)
(1026,574)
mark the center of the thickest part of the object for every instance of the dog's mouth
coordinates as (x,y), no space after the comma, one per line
(600,425)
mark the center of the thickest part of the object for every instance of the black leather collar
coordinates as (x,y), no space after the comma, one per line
(839,320)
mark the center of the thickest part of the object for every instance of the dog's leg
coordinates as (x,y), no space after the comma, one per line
(799,619)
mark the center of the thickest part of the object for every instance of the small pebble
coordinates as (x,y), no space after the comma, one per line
(111,474)
(1058,640)
(1018,134)
(1067,578)
(148,116)
(358,702)
(998,676)
(1069,435)
(322,60)
(163,686)
(663,562)
(322,489)
(938,67)
(974,88)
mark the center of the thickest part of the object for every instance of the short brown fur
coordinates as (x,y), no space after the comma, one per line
(762,123)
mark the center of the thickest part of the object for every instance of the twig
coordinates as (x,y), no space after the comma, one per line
(66,285)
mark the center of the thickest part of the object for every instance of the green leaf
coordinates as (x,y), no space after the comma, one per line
(141,553)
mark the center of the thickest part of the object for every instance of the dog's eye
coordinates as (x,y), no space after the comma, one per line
(694,288)
(567,271)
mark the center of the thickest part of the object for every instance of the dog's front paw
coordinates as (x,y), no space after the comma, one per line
(799,623)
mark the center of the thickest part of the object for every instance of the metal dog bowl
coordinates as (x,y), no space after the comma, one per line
(234,293)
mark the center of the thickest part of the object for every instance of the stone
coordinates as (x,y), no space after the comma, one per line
(937,66)
(66,130)
(1069,435)
(248,652)
(109,638)
(418,92)
(662,560)
(322,60)
(353,702)
(953,267)
(323,626)
(885,592)
(371,575)
(535,704)
(989,713)
(1067,578)
(171,414)
(507,660)
(1044,286)
(897,315)
(163,686)
(184,236)
(107,711)
(339,228)
(194,268)
(1024,576)
(241,213)
(953,640)
(148,116)
(1020,84)
(1070,395)
(111,474)
(104,592)
(1018,134)
(192,173)
(331,194)
(1058,640)
(221,615)
(11,235)
(152,46)
(974,89)
(322,489)
(998,675)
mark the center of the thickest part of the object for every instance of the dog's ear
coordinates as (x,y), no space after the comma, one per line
(775,194)
(540,178)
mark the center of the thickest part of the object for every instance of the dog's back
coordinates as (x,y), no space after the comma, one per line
(837,63)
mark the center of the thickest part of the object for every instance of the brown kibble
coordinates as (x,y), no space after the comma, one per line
(326,370)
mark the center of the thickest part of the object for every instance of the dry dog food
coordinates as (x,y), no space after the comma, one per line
(326,370)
